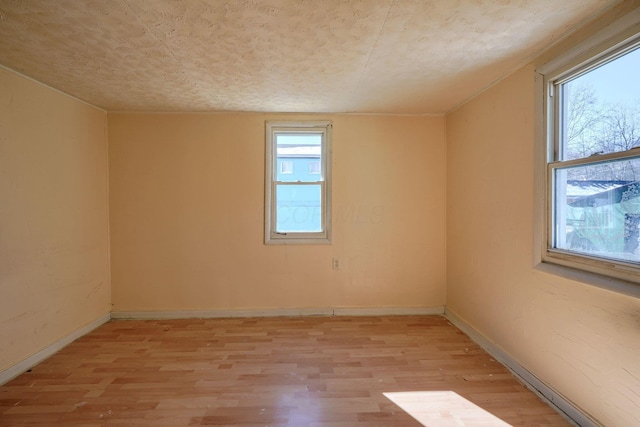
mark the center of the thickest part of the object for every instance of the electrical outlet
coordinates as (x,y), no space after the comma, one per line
(336,263)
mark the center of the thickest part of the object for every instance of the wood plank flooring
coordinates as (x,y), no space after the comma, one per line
(302,371)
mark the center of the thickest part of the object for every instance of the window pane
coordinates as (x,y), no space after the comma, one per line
(298,208)
(298,150)
(597,209)
(601,109)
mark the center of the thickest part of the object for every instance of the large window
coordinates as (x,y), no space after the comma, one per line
(298,182)
(593,161)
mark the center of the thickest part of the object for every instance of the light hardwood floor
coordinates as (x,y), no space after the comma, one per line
(302,371)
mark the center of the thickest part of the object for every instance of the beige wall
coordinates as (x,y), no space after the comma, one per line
(581,340)
(54,271)
(187,202)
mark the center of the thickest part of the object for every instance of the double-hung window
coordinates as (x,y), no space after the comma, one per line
(298,182)
(593,161)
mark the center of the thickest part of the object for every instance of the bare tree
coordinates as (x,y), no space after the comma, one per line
(621,127)
(593,128)
(583,117)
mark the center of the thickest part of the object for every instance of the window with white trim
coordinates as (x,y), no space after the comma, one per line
(298,202)
(592,126)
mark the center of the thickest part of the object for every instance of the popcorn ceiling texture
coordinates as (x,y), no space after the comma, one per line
(380,56)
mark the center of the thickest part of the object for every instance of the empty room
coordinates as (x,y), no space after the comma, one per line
(320,213)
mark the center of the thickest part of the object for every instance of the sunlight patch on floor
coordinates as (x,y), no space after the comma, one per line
(444,409)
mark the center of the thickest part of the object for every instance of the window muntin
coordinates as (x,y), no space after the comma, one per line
(297,202)
(594,163)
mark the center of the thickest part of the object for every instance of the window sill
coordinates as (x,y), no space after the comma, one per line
(590,278)
(294,241)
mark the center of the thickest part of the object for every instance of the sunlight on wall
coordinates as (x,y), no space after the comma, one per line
(443,409)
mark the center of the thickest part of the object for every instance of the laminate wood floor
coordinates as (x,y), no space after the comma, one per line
(302,371)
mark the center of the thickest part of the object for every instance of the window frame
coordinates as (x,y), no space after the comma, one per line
(606,46)
(271,236)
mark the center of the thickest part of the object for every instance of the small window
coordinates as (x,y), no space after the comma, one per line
(286,167)
(298,201)
(314,167)
(593,163)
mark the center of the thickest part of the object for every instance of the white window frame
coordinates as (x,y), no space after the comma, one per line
(323,127)
(611,42)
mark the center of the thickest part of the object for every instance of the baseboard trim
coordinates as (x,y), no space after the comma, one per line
(213,314)
(276,312)
(388,311)
(31,361)
(563,405)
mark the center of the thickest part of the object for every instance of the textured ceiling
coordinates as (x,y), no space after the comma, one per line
(378,56)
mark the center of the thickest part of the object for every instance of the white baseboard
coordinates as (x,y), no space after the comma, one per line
(212,314)
(277,312)
(388,311)
(560,403)
(31,361)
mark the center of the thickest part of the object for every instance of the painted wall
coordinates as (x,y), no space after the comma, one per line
(54,269)
(582,340)
(187,216)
